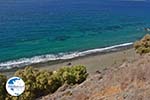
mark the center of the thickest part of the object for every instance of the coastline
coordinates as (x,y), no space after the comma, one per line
(96,61)
(22,62)
(93,62)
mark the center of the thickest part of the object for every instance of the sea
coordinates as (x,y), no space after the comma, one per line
(34,31)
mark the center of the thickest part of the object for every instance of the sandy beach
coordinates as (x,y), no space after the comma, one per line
(93,62)
(98,61)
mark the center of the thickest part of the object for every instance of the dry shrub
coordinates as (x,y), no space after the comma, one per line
(143,46)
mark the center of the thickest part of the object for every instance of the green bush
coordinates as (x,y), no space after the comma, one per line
(3,92)
(36,82)
(72,75)
(143,46)
(39,83)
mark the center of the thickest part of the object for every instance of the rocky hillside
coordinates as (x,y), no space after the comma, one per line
(130,81)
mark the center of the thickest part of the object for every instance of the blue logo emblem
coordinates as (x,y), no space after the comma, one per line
(15,86)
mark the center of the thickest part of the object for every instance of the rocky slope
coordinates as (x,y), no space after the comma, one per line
(130,81)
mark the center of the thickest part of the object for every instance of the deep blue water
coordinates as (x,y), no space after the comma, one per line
(36,27)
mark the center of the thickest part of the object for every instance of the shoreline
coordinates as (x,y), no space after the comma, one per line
(38,65)
(96,61)
(60,57)
(93,62)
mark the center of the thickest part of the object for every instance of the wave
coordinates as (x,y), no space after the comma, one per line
(51,57)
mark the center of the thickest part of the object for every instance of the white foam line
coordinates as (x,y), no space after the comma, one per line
(50,57)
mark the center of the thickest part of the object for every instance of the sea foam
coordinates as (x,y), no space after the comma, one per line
(51,57)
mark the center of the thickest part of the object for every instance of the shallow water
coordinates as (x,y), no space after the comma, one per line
(31,28)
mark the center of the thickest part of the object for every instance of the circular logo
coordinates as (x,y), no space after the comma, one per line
(15,86)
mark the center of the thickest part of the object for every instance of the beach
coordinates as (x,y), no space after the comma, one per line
(67,26)
(97,61)
(50,47)
(93,62)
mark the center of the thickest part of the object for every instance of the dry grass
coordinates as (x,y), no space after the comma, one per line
(130,81)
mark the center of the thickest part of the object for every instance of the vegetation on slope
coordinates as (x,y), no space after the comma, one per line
(143,46)
(39,83)
(3,80)
(129,81)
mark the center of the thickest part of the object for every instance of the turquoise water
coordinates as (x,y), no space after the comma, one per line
(31,28)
